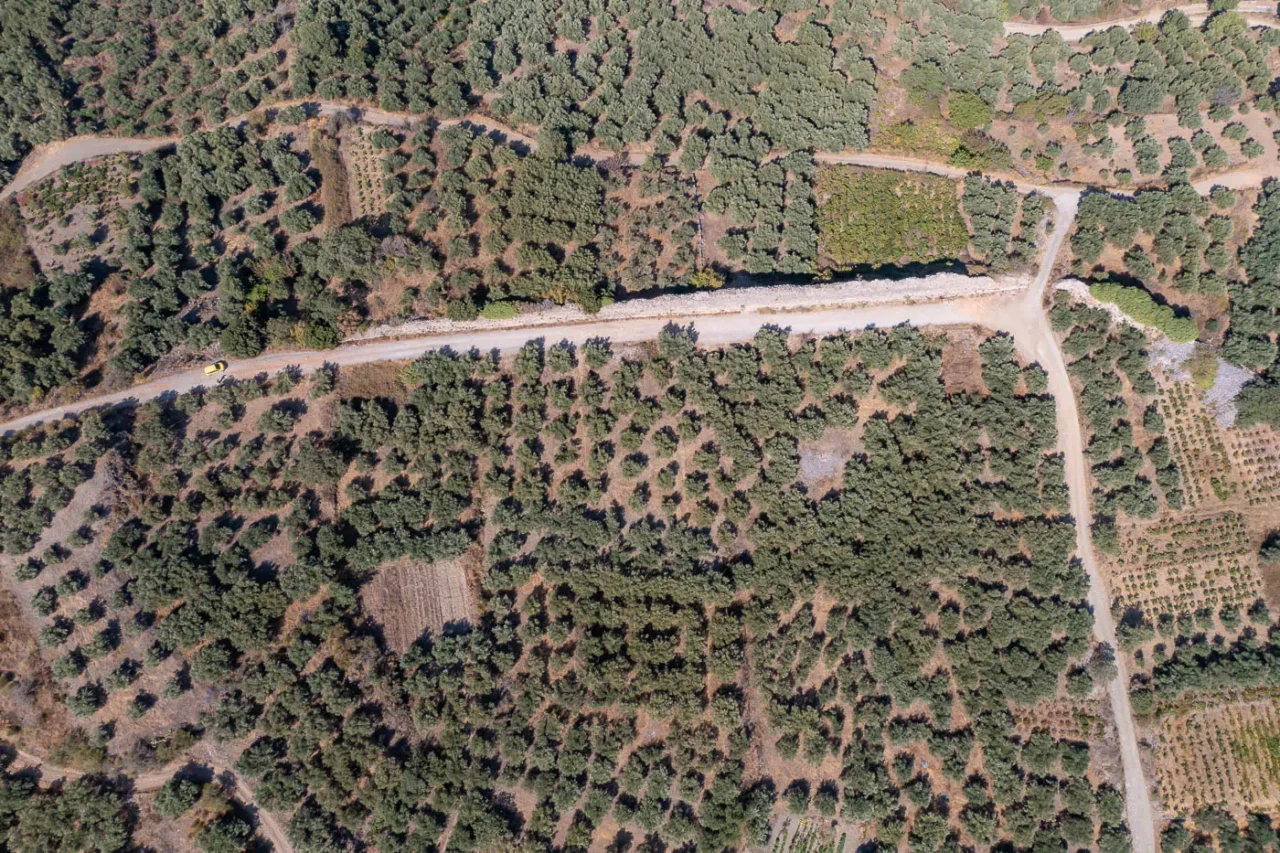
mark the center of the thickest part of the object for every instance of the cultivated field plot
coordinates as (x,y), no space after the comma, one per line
(1178,564)
(1064,719)
(804,836)
(409,598)
(1256,451)
(365,170)
(879,217)
(1228,754)
(1199,444)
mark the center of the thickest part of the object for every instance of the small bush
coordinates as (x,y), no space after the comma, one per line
(1138,304)
(968,111)
(500,311)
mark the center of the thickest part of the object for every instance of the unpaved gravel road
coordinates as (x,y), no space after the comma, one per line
(45,160)
(1256,13)
(1025,319)
(1244,176)
(1027,322)
(913,164)
(712,330)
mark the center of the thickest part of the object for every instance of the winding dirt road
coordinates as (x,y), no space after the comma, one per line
(45,160)
(1257,14)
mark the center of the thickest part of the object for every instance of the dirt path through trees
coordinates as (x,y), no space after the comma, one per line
(1027,321)
(148,783)
(46,160)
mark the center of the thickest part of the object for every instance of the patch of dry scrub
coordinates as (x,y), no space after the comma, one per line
(335,184)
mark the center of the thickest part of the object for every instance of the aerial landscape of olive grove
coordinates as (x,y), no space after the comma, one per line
(614,425)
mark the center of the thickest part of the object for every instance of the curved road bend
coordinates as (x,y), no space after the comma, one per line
(47,159)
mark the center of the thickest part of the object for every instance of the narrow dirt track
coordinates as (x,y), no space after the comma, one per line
(149,783)
(897,163)
(46,160)
(1034,337)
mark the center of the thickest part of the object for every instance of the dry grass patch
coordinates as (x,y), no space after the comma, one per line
(367,381)
(17,269)
(31,709)
(961,363)
(1256,453)
(365,194)
(1198,444)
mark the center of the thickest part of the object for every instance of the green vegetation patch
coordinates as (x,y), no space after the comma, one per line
(648,556)
(880,218)
(1138,304)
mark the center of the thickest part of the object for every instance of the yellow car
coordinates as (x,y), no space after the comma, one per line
(216,367)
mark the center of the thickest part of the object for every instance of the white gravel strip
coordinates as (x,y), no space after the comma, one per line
(1221,398)
(761,300)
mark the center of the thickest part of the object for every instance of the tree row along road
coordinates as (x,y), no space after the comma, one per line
(1257,14)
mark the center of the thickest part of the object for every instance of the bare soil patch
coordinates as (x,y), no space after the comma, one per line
(31,708)
(380,379)
(1269,573)
(822,462)
(408,598)
(361,159)
(961,363)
